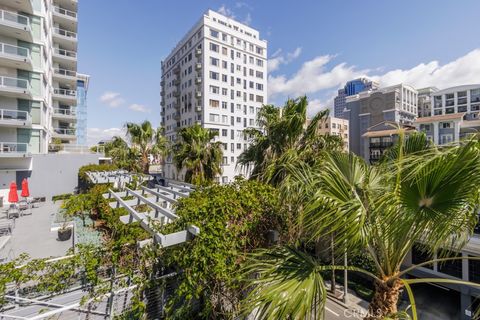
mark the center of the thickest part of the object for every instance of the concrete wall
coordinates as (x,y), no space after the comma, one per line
(54,174)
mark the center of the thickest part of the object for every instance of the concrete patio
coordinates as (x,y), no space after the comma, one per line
(31,234)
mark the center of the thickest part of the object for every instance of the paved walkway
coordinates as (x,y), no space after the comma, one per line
(32,235)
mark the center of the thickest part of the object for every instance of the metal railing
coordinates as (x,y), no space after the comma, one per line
(13,147)
(65,33)
(73,148)
(65,53)
(65,92)
(11,50)
(65,131)
(65,112)
(14,18)
(65,72)
(18,115)
(14,83)
(65,12)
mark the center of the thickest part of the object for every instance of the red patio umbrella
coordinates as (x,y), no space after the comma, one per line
(13,193)
(25,191)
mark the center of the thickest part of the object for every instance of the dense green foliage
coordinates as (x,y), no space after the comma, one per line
(418,194)
(233,219)
(197,154)
(286,136)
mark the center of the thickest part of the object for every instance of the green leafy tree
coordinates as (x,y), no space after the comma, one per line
(147,142)
(420,194)
(78,205)
(286,136)
(198,154)
(233,219)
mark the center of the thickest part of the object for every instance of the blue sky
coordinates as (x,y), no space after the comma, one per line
(314,47)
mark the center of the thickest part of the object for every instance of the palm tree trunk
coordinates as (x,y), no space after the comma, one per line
(332,248)
(385,299)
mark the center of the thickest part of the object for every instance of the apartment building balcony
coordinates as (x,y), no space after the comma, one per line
(176,69)
(14,149)
(65,37)
(176,82)
(198,52)
(15,118)
(20,5)
(198,94)
(65,56)
(198,66)
(162,82)
(176,105)
(162,113)
(162,103)
(198,80)
(198,108)
(177,128)
(64,15)
(15,25)
(64,133)
(15,57)
(65,95)
(65,76)
(176,93)
(14,87)
(176,116)
(67,114)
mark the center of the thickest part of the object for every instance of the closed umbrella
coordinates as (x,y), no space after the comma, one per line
(25,190)
(13,193)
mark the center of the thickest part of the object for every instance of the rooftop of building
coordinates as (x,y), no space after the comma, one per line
(458,88)
(444,117)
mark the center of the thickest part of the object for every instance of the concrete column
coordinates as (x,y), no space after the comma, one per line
(435,133)
(456,131)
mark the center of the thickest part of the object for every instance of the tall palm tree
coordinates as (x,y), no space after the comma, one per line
(122,154)
(148,142)
(198,154)
(285,136)
(418,195)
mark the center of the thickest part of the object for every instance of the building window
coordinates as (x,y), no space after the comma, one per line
(214,89)
(214,61)
(214,47)
(214,75)
(213,117)
(214,103)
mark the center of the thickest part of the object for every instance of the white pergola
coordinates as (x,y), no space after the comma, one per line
(160,201)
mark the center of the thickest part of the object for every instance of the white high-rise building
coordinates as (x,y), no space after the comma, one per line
(216,76)
(38,79)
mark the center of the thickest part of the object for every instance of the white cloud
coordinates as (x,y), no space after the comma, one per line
(248,19)
(312,77)
(463,70)
(139,108)
(277,60)
(315,77)
(112,99)
(94,135)
(226,11)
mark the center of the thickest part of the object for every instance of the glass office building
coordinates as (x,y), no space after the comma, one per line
(82,109)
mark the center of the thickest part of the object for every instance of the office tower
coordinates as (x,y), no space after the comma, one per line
(351,88)
(375,116)
(215,76)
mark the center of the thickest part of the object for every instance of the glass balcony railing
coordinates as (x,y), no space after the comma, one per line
(65,92)
(65,33)
(14,19)
(65,72)
(14,115)
(65,131)
(65,53)
(14,83)
(14,51)
(65,12)
(13,148)
(65,112)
